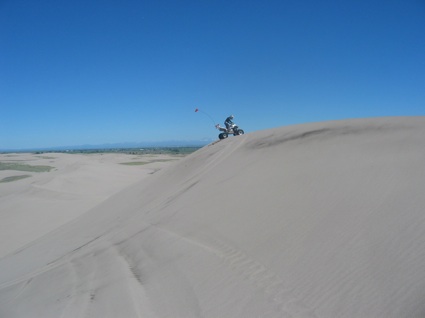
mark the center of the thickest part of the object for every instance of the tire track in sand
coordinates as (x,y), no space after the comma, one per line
(255,273)
(258,275)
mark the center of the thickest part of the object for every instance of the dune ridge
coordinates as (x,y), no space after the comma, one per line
(315,220)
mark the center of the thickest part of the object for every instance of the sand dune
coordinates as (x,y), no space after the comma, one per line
(43,201)
(316,220)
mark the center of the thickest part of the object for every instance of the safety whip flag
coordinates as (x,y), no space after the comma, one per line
(201,111)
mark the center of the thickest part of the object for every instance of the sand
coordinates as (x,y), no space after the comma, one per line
(43,201)
(315,220)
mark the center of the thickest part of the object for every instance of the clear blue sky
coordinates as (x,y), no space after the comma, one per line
(105,71)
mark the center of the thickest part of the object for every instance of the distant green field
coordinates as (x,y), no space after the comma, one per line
(14,178)
(46,157)
(139,163)
(132,151)
(24,167)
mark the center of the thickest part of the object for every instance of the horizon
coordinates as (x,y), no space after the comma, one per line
(105,72)
(156,144)
(115,146)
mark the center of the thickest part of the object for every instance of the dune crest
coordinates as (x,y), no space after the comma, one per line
(315,220)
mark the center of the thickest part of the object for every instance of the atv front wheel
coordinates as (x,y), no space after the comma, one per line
(223,136)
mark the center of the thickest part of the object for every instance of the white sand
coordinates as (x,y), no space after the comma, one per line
(316,220)
(33,206)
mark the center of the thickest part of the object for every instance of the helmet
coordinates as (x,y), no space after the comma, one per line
(231,116)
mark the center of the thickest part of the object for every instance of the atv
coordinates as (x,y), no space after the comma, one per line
(232,130)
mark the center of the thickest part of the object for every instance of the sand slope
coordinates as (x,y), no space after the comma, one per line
(316,220)
(43,201)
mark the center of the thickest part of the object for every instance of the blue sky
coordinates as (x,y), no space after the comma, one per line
(106,71)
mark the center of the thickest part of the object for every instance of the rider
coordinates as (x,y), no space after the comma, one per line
(228,122)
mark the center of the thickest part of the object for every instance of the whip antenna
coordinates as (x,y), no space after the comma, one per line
(201,111)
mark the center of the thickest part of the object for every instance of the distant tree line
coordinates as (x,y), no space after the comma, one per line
(131,151)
